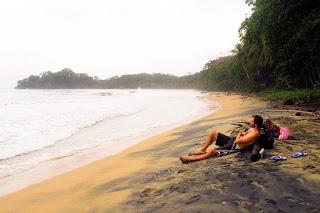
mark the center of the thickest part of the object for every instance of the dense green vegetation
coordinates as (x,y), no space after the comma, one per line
(144,80)
(67,79)
(295,94)
(279,49)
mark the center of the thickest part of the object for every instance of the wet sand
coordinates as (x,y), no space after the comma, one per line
(149,177)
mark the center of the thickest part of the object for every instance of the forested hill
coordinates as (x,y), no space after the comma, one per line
(279,48)
(67,79)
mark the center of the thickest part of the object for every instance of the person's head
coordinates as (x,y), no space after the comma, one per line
(256,121)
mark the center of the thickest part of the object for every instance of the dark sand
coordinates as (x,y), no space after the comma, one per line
(232,183)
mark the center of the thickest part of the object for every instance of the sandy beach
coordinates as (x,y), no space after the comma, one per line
(148,177)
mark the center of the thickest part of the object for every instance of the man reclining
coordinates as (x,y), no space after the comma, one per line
(243,139)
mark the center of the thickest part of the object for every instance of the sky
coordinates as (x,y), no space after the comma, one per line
(106,38)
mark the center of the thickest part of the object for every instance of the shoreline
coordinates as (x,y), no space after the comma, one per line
(149,176)
(225,108)
(62,164)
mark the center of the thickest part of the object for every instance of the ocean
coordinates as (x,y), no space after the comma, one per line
(37,126)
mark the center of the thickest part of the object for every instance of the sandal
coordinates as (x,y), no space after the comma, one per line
(299,154)
(278,157)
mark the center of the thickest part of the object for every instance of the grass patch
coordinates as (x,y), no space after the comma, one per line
(291,94)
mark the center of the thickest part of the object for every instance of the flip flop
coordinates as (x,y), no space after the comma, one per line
(299,154)
(278,157)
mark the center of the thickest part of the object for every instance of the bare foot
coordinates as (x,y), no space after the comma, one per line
(184,159)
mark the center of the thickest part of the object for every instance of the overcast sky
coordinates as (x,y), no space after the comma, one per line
(115,37)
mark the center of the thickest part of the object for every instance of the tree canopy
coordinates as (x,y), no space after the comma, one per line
(67,79)
(64,79)
(280,43)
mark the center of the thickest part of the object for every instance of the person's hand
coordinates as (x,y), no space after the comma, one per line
(243,132)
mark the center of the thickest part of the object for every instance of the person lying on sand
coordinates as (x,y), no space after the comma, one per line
(243,139)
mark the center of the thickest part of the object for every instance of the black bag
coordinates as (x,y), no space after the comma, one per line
(266,141)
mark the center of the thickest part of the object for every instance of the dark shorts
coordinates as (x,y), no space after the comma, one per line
(224,142)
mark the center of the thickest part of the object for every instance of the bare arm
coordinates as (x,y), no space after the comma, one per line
(249,137)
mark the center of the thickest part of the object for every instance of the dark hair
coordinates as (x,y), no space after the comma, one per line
(258,120)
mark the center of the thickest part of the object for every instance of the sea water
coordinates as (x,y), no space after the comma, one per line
(41,125)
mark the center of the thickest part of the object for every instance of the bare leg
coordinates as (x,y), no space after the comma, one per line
(208,154)
(213,134)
